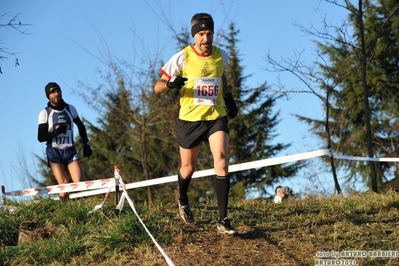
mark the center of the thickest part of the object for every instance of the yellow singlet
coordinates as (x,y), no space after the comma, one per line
(201,98)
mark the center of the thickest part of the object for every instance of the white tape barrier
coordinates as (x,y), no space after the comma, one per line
(95,187)
(69,187)
(100,186)
(209,172)
(120,206)
(167,258)
(357,158)
(97,207)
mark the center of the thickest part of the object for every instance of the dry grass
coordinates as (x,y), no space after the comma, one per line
(290,233)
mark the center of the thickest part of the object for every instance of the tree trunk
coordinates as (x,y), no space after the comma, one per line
(373,172)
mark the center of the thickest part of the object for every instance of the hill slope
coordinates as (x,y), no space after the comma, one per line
(296,232)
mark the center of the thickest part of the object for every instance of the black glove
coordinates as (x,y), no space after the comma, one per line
(231,105)
(87,150)
(60,129)
(176,82)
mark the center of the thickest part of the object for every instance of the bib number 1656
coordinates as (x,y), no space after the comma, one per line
(207,90)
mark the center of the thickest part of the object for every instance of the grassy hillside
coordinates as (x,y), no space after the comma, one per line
(296,232)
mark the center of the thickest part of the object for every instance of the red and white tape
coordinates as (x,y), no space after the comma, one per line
(69,187)
(101,186)
(209,172)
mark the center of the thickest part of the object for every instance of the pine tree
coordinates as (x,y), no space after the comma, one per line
(252,132)
(136,130)
(135,134)
(132,131)
(349,111)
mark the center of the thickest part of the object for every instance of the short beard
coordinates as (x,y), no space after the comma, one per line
(206,51)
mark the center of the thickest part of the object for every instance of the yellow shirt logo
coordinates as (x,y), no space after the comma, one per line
(201,97)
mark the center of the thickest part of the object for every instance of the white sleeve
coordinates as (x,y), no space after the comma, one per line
(42,119)
(225,57)
(175,65)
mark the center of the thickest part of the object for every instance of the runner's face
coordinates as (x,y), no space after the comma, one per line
(280,193)
(55,96)
(203,41)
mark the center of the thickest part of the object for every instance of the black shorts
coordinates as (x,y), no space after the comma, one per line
(191,134)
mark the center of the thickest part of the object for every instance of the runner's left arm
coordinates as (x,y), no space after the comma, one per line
(83,134)
(232,109)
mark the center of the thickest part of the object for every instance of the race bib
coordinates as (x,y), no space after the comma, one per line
(206,90)
(63,141)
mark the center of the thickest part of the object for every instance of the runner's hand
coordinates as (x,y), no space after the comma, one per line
(232,109)
(87,150)
(176,82)
(60,129)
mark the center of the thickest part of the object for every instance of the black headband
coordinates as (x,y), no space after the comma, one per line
(201,25)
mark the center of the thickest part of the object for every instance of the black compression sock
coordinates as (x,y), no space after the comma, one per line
(183,188)
(222,188)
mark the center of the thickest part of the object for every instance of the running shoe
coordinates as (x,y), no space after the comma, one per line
(225,227)
(186,214)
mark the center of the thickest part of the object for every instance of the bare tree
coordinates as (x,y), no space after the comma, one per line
(363,53)
(14,23)
(311,78)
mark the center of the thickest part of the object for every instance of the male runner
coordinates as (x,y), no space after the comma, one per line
(56,129)
(198,72)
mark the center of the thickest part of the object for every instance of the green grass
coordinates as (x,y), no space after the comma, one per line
(290,233)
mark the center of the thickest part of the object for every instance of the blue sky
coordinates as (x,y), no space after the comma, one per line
(62,33)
